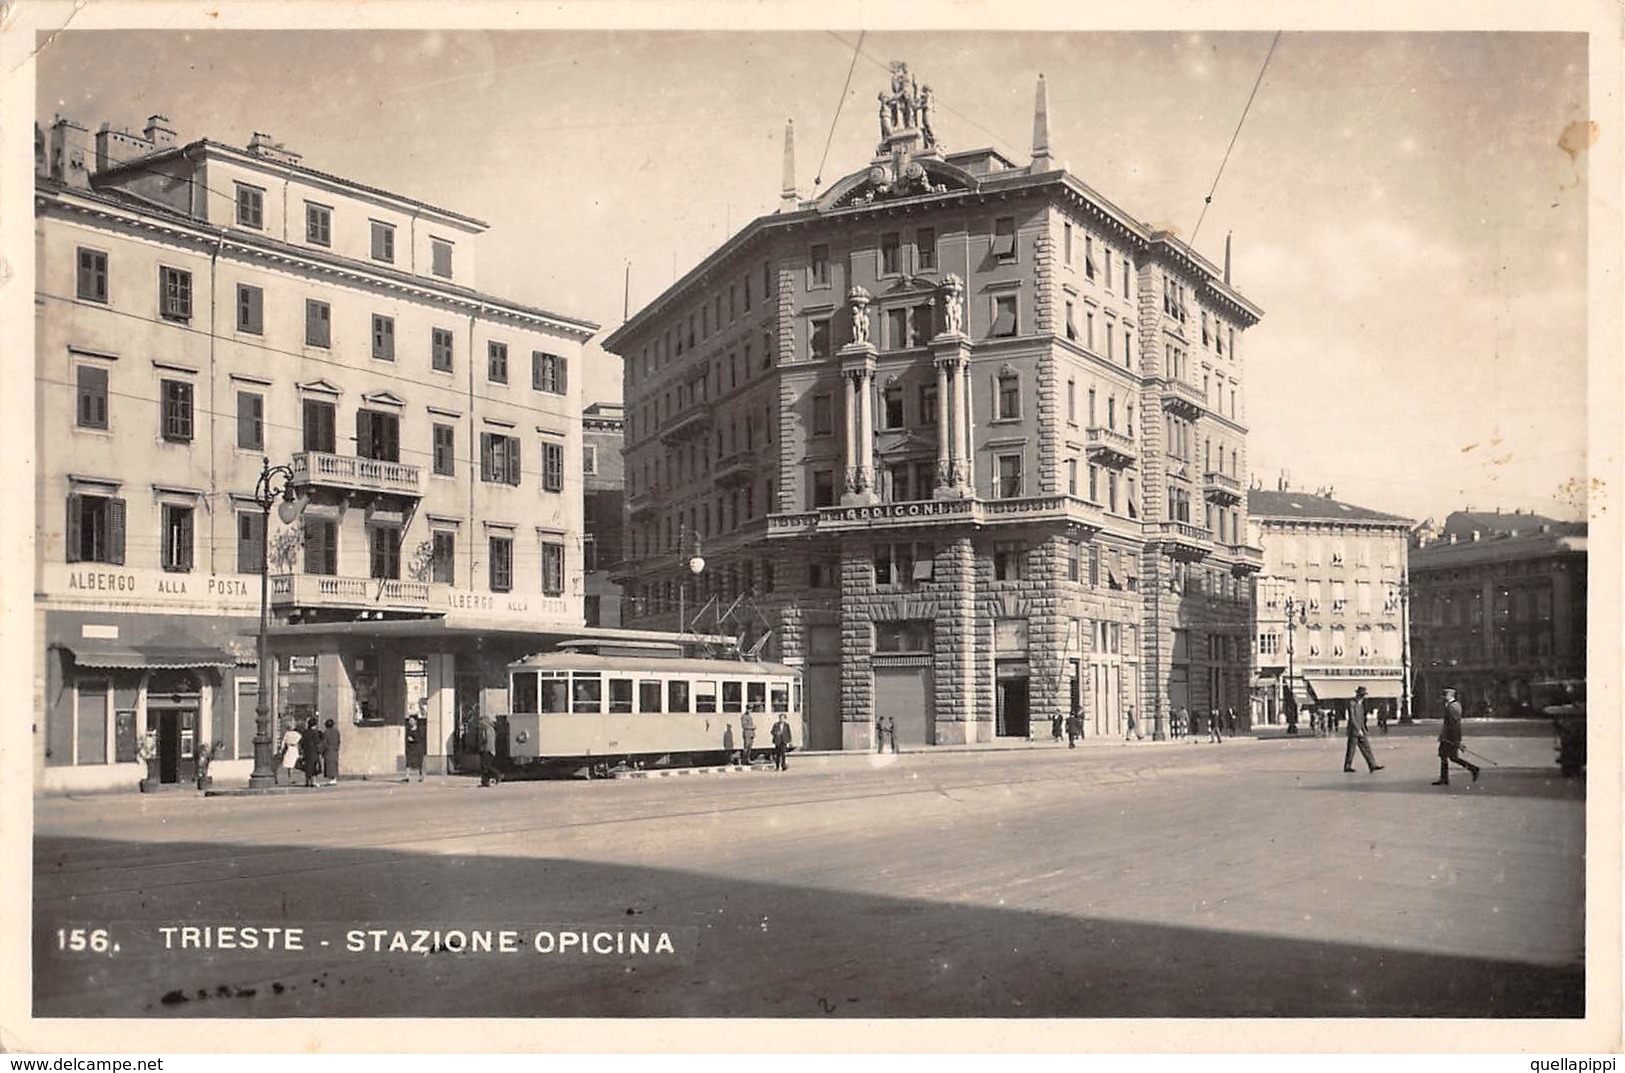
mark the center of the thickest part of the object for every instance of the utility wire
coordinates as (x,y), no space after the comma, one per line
(1245,109)
(839,104)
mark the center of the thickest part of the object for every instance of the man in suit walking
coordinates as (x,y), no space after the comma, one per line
(781,743)
(1450,740)
(1357,734)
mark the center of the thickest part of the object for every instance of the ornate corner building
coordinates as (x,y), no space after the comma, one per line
(959,437)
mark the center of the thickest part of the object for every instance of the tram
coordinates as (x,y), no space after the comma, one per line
(644,710)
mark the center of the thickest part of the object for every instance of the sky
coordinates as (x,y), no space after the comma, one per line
(1406,208)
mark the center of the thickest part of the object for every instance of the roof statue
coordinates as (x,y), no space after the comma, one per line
(859,299)
(905,111)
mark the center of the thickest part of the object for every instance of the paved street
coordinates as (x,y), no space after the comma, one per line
(1244,879)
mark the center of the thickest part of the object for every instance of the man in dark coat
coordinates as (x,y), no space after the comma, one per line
(781,743)
(1357,734)
(1074,728)
(330,752)
(1450,740)
(310,751)
(487,730)
(416,747)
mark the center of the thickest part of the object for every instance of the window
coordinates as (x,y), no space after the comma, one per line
(892,406)
(318,323)
(496,361)
(823,488)
(552,568)
(445,451)
(384,551)
(250,421)
(95,530)
(818,267)
(250,309)
(321,546)
(891,245)
(383,337)
(250,542)
(377,436)
(547,372)
(444,557)
(1009,562)
(440,346)
(499,459)
(903,564)
(907,635)
(174,294)
(177,411)
(818,339)
(1004,316)
(589,459)
(823,415)
(1066,243)
(552,467)
(1004,238)
(1008,401)
(250,206)
(318,224)
(1071,320)
(676,696)
(383,242)
(1072,476)
(1009,477)
(1089,256)
(92,275)
(440,257)
(928,405)
(925,249)
(501,564)
(91,408)
(320,418)
(897,336)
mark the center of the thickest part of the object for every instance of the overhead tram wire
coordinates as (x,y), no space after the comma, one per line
(1245,109)
(839,104)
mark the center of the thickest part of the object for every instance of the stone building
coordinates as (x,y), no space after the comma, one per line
(603,486)
(1329,615)
(960,437)
(204,311)
(1498,604)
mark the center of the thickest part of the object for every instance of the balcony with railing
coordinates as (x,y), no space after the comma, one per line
(336,592)
(1183,398)
(319,469)
(692,422)
(1181,540)
(737,468)
(1245,559)
(1108,447)
(641,503)
(1221,488)
(1076,515)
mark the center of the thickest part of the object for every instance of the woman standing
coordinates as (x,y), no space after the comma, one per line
(310,751)
(330,752)
(291,753)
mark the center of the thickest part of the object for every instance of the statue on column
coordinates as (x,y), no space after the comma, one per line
(858,300)
(885,121)
(952,293)
(925,117)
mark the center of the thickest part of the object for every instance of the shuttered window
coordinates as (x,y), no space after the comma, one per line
(177,539)
(552,467)
(250,542)
(250,309)
(321,547)
(176,419)
(320,418)
(318,323)
(377,436)
(499,459)
(552,569)
(92,276)
(383,337)
(250,420)
(92,395)
(95,530)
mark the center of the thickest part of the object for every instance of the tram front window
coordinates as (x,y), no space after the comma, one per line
(524,693)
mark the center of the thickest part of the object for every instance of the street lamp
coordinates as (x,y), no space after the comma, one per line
(1405,714)
(1294,610)
(275,485)
(695,564)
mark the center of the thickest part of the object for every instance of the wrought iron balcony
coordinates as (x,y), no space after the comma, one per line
(1111,448)
(319,469)
(348,593)
(1221,488)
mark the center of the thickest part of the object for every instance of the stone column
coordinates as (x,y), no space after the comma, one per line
(944,429)
(954,645)
(858,370)
(951,354)
(857,649)
(967,470)
(850,385)
(866,431)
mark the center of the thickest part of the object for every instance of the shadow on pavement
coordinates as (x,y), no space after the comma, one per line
(1540,783)
(740,948)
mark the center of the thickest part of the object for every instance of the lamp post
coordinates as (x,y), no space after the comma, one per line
(695,564)
(1405,714)
(1293,610)
(275,483)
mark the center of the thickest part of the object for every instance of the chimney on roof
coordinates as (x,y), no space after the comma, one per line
(262,145)
(1545,527)
(159,132)
(787,193)
(69,153)
(1042,160)
(116,147)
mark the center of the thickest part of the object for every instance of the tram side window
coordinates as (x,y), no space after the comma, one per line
(676,696)
(648,694)
(733,696)
(555,695)
(524,693)
(797,706)
(756,696)
(781,698)
(586,694)
(620,695)
(705,696)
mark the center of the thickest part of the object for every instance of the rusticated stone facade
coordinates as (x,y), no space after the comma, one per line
(1003,472)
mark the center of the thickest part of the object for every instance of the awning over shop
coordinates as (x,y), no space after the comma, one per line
(139,657)
(1343,688)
